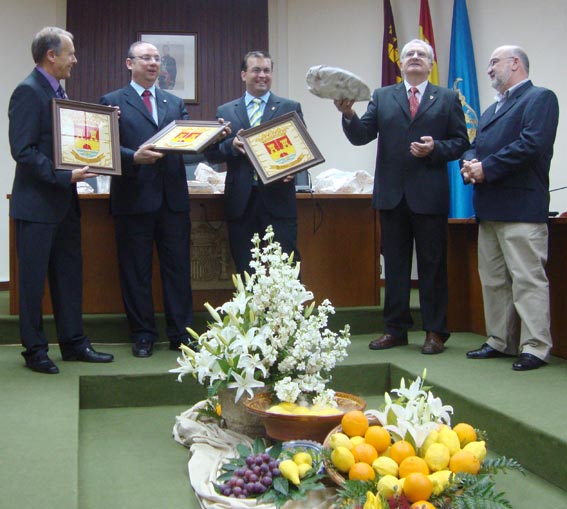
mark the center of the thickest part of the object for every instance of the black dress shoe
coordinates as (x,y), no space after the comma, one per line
(486,352)
(87,355)
(143,348)
(42,365)
(527,361)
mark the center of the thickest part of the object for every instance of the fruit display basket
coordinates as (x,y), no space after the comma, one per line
(332,472)
(297,427)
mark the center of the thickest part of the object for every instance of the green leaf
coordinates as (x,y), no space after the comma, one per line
(243,450)
(281,485)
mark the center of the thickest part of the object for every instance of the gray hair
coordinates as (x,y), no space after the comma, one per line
(521,55)
(48,38)
(428,49)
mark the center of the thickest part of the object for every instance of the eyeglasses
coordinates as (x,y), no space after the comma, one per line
(494,61)
(147,58)
(256,70)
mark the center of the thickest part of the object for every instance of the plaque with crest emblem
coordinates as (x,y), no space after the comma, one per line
(86,134)
(280,147)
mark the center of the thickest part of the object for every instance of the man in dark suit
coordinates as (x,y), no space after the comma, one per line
(420,127)
(150,204)
(45,209)
(251,206)
(509,167)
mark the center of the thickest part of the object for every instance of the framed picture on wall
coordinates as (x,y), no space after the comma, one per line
(178,72)
(86,134)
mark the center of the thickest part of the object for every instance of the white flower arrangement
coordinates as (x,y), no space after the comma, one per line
(266,338)
(414,413)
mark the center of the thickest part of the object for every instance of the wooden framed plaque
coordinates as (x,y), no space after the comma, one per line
(187,136)
(280,147)
(86,134)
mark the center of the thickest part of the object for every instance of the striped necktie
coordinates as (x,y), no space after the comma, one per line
(60,93)
(255,114)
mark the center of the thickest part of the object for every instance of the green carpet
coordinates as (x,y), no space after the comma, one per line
(99,436)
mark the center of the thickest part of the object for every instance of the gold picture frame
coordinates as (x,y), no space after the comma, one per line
(86,134)
(188,136)
(280,147)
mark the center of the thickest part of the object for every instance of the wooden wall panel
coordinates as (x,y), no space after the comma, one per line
(226,29)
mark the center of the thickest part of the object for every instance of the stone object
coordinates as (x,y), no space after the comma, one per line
(334,83)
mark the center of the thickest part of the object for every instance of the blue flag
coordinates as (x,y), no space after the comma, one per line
(462,78)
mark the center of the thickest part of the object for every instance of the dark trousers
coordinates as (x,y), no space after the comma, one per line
(136,235)
(400,227)
(255,220)
(53,252)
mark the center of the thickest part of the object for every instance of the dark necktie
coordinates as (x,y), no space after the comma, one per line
(146,94)
(60,93)
(413,102)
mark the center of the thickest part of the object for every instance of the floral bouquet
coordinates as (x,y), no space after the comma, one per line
(266,336)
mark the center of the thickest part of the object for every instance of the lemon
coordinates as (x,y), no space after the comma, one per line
(477,448)
(437,457)
(448,437)
(440,480)
(357,440)
(278,409)
(340,439)
(385,466)
(290,471)
(431,439)
(303,468)
(286,405)
(390,485)
(342,459)
(300,410)
(303,457)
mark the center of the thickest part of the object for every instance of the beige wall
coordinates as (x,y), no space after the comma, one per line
(20,21)
(349,35)
(304,33)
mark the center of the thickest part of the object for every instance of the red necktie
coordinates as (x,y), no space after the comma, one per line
(146,94)
(413,102)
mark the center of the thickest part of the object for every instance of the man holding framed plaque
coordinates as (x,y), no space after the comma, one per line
(150,205)
(250,206)
(45,210)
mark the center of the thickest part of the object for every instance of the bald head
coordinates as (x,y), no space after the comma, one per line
(508,66)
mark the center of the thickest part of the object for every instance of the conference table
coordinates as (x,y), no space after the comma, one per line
(339,242)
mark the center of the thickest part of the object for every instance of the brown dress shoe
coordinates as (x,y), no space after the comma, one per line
(434,343)
(387,341)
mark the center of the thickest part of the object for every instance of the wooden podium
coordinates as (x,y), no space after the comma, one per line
(338,235)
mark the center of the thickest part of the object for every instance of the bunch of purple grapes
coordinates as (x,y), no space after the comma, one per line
(253,479)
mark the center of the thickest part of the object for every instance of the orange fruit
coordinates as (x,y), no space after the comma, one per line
(378,437)
(354,423)
(362,472)
(422,504)
(399,451)
(365,453)
(413,464)
(464,461)
(465,432)
(417,487)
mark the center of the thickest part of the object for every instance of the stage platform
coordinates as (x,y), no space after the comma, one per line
(99,436)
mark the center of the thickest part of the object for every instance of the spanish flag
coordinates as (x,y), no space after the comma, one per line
(390,57)
(426,34)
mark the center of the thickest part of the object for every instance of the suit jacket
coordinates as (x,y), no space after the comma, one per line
(39,193)
(278,197)
(142,188)
(515,147)
(423,181)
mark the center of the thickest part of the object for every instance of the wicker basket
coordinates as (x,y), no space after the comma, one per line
(337,477)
